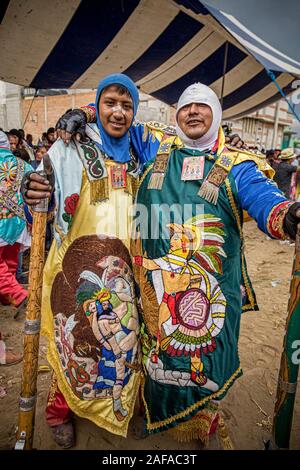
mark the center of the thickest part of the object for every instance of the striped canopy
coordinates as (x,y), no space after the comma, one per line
(163,45)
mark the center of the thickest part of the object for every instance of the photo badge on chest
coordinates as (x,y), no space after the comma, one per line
(192,168)
(118,176)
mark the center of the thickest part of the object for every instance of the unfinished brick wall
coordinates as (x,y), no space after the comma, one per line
(46,110)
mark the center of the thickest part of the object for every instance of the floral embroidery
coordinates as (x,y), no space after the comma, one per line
(71,203)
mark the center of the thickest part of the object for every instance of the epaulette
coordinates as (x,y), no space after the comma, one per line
(243,155)
(158,126)
(246,152)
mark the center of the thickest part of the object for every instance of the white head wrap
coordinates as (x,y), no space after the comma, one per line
(4,143)
(199,93)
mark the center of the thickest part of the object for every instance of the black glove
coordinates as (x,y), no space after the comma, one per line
(291,220)
(73,122)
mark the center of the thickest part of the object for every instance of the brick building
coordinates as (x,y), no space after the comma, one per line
(43,112)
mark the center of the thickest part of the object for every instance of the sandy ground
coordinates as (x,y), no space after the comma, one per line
(248,407)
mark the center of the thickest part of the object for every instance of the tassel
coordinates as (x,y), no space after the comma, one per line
(99,190)
(156,181)
(132,185)
(224,436)
(209,192)
(211,185)
(160,167)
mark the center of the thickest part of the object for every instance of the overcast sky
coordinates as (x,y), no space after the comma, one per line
(275,21)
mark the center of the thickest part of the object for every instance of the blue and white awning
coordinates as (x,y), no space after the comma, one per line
(163,45)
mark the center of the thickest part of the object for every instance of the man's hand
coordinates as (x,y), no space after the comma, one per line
(291,220)
(234,140)
(71,124)
(35,187)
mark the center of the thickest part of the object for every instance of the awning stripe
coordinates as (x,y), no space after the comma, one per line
(267,102)
(248,89)
(163,45)
(147,23)
(175,36)
(268,92)
(260,43)
(276,59)
(238,76)
(102,20)
(206,72)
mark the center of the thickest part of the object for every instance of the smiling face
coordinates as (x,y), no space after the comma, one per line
(115,111)
(195,119)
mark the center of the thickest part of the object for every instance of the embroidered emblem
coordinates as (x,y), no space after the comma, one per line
(192,168)
(161,163)
(118,176)
(216,177)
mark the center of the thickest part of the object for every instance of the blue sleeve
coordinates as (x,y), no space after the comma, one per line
(145,143)
(257,193)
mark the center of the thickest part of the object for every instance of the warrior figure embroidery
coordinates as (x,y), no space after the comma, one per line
(191,303)
(107,303)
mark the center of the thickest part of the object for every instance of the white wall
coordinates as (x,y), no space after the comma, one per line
(10,106)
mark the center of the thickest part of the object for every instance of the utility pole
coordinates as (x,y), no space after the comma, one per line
(275,129)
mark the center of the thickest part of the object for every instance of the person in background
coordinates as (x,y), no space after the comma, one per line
(29,140)
(41,150)
(17,145)
(50,137)
(285,170)
(13,236)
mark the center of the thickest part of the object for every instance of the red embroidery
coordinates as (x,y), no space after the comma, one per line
(275,219)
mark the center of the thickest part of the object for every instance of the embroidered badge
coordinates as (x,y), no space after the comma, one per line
(118,176)
(192,168)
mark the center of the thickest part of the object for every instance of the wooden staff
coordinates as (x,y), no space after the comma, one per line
(288,373)
(27,400)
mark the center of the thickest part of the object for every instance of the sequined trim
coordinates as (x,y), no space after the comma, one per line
(275,220)
(90,113)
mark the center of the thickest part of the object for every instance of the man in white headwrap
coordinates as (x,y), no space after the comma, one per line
(192,274)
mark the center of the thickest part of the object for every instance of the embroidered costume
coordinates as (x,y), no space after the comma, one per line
(89,305)
(13,231)
(191,271)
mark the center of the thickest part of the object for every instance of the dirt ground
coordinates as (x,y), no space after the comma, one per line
(248,407)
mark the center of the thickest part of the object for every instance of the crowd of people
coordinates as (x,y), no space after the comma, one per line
(18,156)
(175,338)
(24,148)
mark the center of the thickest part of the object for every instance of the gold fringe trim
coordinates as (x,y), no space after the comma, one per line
(99,190)
(53,389)
(239,224)
(224,436)
(191,435)
(159,424)
(198,427)
(132,185)
(217,175)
